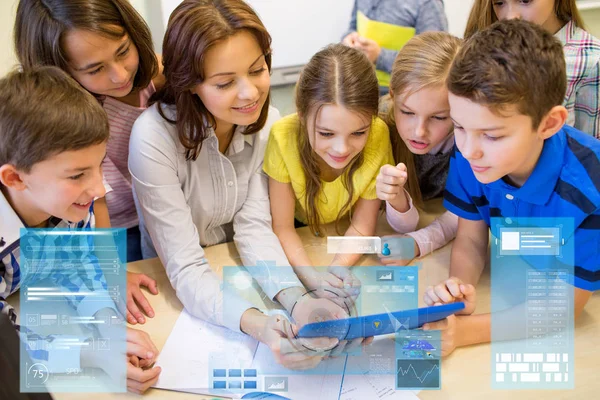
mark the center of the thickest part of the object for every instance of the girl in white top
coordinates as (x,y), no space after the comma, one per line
(196,164)
(418,115)
(106,46)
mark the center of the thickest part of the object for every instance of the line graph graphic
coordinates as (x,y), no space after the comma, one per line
(418,374)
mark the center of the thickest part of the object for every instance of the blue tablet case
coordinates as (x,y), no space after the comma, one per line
(378,324)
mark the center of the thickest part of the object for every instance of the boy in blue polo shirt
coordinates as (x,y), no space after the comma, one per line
(514,158)
(53,137)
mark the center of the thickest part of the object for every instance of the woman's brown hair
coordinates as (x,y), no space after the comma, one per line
(482,15)
(195,26)
(41,25)
(423,62)
(337,75)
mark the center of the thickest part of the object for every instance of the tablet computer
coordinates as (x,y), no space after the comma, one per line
(378,324)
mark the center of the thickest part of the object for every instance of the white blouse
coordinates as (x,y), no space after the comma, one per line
(184,205)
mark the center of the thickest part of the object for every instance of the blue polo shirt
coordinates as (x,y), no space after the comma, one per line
(565,183)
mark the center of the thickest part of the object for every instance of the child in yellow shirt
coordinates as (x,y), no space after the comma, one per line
(323,161)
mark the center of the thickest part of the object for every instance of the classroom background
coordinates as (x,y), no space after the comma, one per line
(291,47)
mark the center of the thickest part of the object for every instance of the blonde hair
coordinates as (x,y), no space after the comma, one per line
(482,15)
(423,62)
(338,75)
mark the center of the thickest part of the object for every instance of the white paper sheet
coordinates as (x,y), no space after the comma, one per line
(186,357)
(195,347)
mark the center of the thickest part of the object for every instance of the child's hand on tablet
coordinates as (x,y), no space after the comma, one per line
(448,332)
(451,291)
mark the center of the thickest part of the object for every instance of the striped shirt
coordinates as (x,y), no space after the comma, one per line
(565,183)
(12,277)
(582,55)
(121,117)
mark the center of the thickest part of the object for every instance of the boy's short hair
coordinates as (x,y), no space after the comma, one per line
(511,62)
(44,112)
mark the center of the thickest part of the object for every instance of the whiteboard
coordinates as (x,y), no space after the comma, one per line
(457,12)
(299,28)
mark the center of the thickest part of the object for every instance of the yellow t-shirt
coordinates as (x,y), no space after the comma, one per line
(282,163)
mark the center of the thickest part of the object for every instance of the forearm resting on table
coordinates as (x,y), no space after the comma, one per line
(469,251)
(363,223)
(253,322)
(293,247)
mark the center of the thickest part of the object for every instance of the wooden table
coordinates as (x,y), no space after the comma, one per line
(465,373)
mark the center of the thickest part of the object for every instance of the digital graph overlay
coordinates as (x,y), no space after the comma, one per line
(422,374)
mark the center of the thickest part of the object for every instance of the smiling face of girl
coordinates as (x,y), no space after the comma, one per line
(102,65)
(337,135)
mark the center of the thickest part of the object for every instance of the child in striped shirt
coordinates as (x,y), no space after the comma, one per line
(50,174)
(107,47)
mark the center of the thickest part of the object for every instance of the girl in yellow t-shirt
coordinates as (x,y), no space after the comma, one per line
(323,161)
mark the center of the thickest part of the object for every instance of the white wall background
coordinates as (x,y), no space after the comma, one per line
(8,8)
(299,27)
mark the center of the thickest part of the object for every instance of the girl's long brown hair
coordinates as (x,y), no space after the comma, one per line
(336,75)
(482,15)
(41,25)
(424,61)
(195,26)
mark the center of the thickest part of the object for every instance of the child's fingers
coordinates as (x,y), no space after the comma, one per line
(391,171)
(401,167)
(150,283)
(140,351)
(133,308)
(430,297)
(141,337)
(134,360)
(143,302)
(454,288)
(392,179)
(333,280)
(467,290)
(139,380)
(443,294)
(131,319)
